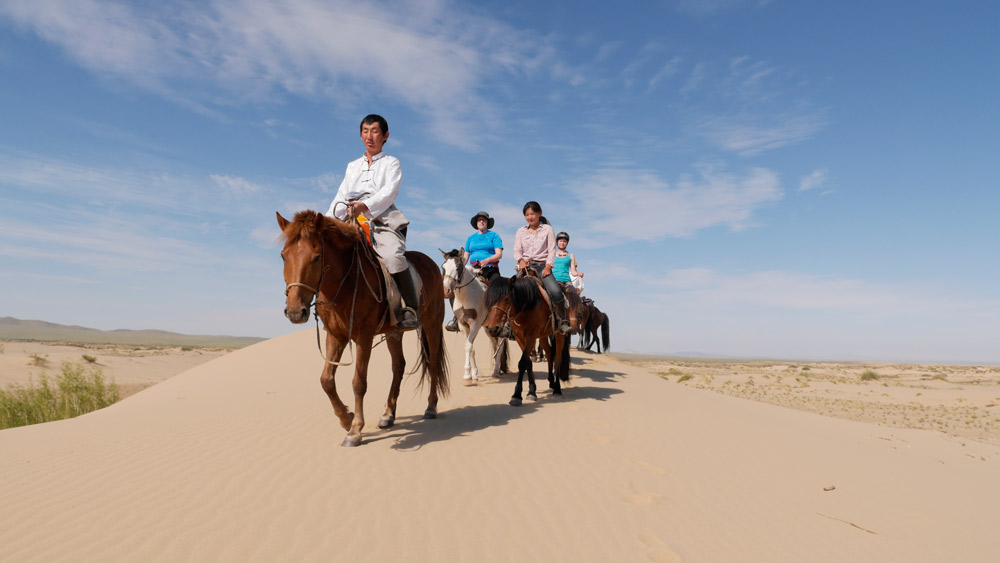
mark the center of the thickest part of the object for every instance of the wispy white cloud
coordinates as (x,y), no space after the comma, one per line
(751,134)
(707,288)
(235,185)
(430,55)
(815,179)
(709,8)
(611,198)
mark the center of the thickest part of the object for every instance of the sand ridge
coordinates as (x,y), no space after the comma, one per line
(238,459)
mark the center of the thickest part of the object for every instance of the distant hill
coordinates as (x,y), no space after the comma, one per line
(41,331)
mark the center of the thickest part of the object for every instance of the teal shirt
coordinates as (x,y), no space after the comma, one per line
(560,268)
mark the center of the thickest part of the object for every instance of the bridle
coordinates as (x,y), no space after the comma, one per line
(315,303)
(460,267)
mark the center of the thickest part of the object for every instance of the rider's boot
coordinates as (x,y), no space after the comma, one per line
(407,319)
(452,325)
(559,308)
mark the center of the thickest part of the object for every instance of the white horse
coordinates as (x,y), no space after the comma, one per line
(470,311)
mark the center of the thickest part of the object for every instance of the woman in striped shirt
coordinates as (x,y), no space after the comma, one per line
(535,247)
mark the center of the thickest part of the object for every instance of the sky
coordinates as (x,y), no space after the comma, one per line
(746,178)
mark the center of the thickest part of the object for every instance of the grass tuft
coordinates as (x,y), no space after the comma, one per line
(90,359)
(73,392)
(869,375)
(39,360)
(684,378)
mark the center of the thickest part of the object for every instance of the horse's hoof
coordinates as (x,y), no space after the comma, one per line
(532,397)
(351,441)
(515,402)
(469,382)
(386,421)
(430,414)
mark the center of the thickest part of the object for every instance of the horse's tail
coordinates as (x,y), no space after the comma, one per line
(606,333)
(433,361)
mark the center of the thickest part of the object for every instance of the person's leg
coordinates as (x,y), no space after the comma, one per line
(391,246)
(558,303)
(452,325)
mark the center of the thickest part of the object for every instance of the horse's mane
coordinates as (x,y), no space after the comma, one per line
(523,293)
(453,253)
(309,224)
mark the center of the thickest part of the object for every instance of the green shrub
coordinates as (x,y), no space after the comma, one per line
(684,378)
(90,359)
(38,360)
(71,393)
(869,375)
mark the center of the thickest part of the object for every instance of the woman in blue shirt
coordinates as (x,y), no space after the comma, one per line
(483,250)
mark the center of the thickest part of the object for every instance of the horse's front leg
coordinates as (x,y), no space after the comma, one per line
(360,384)
(560,355)
(470,373)
(523,365)
(334,350)
(394,342)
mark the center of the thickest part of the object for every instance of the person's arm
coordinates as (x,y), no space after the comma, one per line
(550,258)
(518,250)
(572,266)
(495,259)
(338,207)
(385,193)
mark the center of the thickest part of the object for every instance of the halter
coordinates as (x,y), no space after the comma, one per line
(315,303)
(461,274)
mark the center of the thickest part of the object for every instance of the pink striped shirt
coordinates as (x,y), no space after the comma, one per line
(535,246)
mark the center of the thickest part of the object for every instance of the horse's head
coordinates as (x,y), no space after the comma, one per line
(310,239)
(452,270)
(499,302)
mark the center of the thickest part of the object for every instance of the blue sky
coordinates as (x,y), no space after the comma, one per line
(806,180)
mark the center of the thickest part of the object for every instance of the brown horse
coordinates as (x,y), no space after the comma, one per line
(597,321)
(518,303)
(328,261)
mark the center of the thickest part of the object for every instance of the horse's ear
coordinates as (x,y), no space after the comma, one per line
(512,280)
(461,251)
(282,222)
(443,253)
(319,222)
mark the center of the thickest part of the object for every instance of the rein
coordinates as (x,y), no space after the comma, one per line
(358,273)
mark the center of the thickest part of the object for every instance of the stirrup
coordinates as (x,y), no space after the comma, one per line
(452,325)
(408,322)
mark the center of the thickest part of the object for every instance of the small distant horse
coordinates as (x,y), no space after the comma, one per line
(597,321)
(328,260)
(519,304)
(470,310)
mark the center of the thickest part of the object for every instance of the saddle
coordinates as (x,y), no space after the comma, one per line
(393,298)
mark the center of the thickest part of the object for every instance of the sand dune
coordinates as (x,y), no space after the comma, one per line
(239,459)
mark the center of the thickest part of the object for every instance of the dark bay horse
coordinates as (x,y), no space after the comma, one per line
(517,302)
(327,259)
(597,320)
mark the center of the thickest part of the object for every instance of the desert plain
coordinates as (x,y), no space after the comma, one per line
(236,457)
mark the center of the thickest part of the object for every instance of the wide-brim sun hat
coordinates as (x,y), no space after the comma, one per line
(562,234)
(484,215)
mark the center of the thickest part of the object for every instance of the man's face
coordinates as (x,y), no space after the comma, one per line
(373,138)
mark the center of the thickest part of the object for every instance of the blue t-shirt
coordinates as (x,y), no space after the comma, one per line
(481,246)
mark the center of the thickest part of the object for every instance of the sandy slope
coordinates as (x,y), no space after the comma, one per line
(238,459)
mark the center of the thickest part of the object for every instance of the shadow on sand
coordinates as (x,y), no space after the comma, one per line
(413,432)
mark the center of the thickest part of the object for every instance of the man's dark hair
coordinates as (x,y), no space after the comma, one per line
(532,205)
(373,118)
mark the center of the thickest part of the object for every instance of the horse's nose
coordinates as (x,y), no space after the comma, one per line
(493,331)
(297,317)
